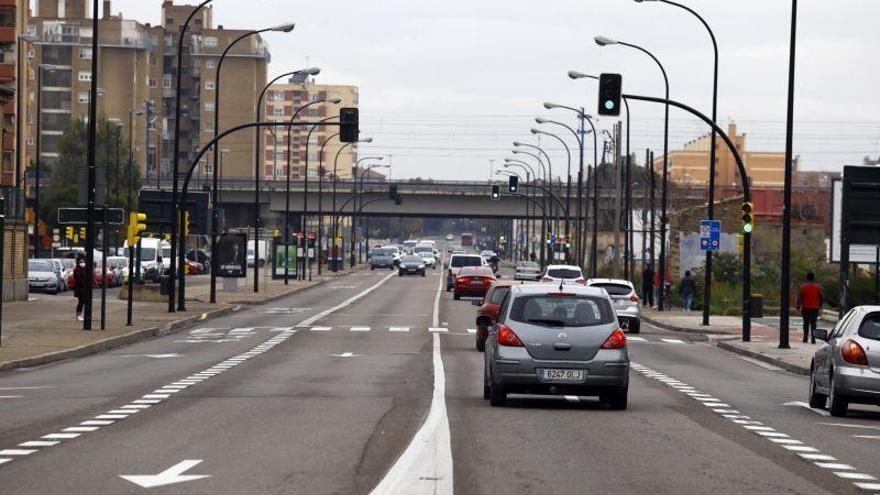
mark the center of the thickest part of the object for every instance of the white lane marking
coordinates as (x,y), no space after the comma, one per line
(346,355)
(636,339)
(170,476)
(40,443)
(61,436)
(15,452)
(673,341)
(425,467)
(868,437)
(82,429)
(471,330)
(438,330)
(10,397)
(97,422)
(8,389)
(820,412)
(111,416)
(163,356)
(359,329)
(4,461)
(805,452)
(321,329)
(398,329)
(346,303)
(572,398)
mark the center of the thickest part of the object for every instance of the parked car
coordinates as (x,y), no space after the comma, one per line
(194,267)
(60,273)
(626,301)
(429,259)
(202,256)
(382,258)
(42,277)
(565,274)
(527,270)
(473,281)
(69,264)
(487,312)
(411,265)
(846,368)
(548,341)
(457,262)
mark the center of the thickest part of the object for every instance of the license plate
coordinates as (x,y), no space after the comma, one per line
(561,376)
(410,269)
(476,282)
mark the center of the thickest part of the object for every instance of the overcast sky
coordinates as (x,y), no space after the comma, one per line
(446,86)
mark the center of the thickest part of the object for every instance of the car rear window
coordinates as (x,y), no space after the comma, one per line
(870,328)
(460,261)
(564,273)
(412,259)
(423,249)
(614,289)
(567,311)
(498,295)
(39,266)
(383,252)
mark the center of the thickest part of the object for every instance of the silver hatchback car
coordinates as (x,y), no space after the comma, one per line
(625,299)
(556,340)
(846,369)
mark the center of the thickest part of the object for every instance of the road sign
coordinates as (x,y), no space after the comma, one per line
(77,216)
(710,235)
(863,254)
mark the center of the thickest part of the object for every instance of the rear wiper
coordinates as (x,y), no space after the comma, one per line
(545,321)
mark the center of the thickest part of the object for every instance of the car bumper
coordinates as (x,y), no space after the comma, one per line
(859,384)
(517,371)
(471,291)
(418,271)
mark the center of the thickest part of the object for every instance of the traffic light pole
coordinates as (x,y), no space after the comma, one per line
(785,288)
(744,177)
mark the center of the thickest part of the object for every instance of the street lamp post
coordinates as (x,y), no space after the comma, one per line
(320,238)
(603,41)
(354,217)
(544,178)
(366,169)
(529,174)
(784,292)
(333,195)
(215,211)
(568,184)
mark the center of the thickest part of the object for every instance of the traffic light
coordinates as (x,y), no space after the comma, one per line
(186,223)
(610,88)
(513,183)
(82,232)
(136,225)
(349,125)
(68,233)
(567,241)
(748,217)
(496,192)
(548,237)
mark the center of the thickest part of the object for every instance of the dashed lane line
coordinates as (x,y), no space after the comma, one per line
(168,391)
(807,453)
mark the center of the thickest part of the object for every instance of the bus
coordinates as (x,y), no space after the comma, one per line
(467,239)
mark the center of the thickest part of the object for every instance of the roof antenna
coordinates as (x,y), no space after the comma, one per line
(561,281)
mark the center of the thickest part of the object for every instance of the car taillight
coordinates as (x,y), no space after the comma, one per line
(853,353)
(461,280)
(488,280)
(546,279)
(634,298)
(617,340)
(507,337)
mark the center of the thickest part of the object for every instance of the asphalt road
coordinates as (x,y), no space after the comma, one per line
(333,390)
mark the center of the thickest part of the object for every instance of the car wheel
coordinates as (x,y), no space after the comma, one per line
(481,343)
(817,400)
(486,388)
(399,274)
(616,400)
(634,326)
(497,395)
(456,296)
(838,404)
(372,268)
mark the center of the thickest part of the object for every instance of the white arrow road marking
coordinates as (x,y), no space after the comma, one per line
(820,412)
(346,355)
(425,467)
(172,475)
(162,356)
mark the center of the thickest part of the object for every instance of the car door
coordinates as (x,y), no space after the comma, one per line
(824,357)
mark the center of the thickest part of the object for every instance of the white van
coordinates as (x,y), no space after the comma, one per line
(155,257)
(263,248)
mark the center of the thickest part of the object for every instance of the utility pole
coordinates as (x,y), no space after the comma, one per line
(616,221)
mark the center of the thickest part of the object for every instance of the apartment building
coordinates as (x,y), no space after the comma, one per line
(282,102)
(137,64)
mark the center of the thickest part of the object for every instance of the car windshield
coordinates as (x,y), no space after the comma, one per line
(147,254)
(498,295)
(562,311)
(39,266)
(382,252)
(460,261)
(870,328)
(412,259)
(527,265)
(614,289)
(423,249)
(564,273)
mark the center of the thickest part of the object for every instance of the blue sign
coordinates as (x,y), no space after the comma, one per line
(710,235)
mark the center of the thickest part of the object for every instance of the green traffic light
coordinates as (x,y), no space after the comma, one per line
(747,228)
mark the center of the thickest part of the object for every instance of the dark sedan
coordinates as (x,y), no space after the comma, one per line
(411,265)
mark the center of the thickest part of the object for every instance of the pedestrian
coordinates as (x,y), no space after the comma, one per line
(533,257)
(809,303)
(648,286)
(79,285)
(686,290)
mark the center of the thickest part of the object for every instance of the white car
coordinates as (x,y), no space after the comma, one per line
(565,274)
(626,301)
(395,250)
(428,258)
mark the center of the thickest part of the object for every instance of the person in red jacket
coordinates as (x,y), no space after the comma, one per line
(809,303)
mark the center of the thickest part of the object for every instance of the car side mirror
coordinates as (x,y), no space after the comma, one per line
(821,334)
(476,303)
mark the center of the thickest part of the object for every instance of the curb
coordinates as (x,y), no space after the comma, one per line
(673,328)
(143,334)
(793,368)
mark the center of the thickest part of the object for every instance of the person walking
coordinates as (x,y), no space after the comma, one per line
(686,290)
(809,303)
(648,286)
(79,285)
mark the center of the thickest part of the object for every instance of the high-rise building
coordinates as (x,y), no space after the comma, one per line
(137,64)
(286,99)
(690,165)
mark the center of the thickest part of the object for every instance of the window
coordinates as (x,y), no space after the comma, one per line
(313,97)
(83,97)
(210,63)
(169,41)
(209,85)
(870,327)
(209,106)
(85,76)
(210,42)
(279,111)
(841,325)
(151,82)
(166,81)
(276,96)
(562,311)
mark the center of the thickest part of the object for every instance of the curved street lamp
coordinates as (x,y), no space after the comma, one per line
(568,183)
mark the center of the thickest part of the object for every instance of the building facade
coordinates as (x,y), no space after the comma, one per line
(282,102)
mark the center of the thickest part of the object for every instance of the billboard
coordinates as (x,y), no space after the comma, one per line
(278,261)
(858,253)
(232,255)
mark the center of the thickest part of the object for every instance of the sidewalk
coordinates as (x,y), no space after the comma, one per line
(726,333)
(45,329)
